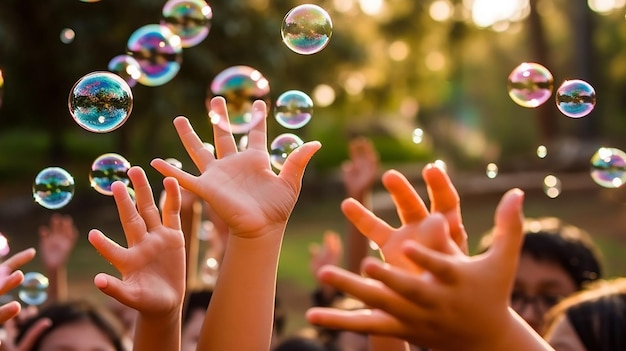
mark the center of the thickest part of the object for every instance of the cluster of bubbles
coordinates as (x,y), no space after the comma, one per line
(34,289)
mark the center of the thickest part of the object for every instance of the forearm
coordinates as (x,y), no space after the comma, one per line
(240,315)
(57,284)
(158,333)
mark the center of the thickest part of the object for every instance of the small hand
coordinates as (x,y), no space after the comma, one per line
(56,241)
(361,170)
(329,253)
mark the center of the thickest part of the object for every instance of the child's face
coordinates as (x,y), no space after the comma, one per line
(79,336)
(538,286)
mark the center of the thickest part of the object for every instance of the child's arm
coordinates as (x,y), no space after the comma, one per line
(255,203)
(153,265)
(459,302)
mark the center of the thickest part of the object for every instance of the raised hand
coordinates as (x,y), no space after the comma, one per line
(433,308)
(361,170)
(330,252)
(241,186)
(56,241)
(10,278)
(153,264)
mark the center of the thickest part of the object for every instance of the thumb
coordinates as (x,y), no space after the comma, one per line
(112,287)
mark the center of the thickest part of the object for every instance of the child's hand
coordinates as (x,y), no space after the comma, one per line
(56,241)
(361,170)
(459,302)
(241,186)
(153,265)
(329,252)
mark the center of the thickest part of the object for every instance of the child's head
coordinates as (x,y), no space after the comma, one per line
(594,319)
(557,259)
(76,326)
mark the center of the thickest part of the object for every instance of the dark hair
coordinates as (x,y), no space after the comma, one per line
(63,313)
(300,343)
(550,239)
(598,315)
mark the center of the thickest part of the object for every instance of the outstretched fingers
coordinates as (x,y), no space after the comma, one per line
(257,136)
(508,228)
(144,197)
(409,204)
(365,321)
(366,222)
(172,203)
(199,154)
(109,249)
(295,164)
(224,141)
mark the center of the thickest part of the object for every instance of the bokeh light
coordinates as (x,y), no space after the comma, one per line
(4,246)
(306,29)
(552,186)
(1,87)
(281,147)
(158,52)
(100,102)
(492,170)
(441,10)
(240,86)
(605,7)
(293,109)
(107,169)
(487,13)
(542,151)
(34,289)
(608,167)
(323,95)
(126,67)
(67,35)
(575,98)
(189,19)
(418,136)
(53,188)
(530,84)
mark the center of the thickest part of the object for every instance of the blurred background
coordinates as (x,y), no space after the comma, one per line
(426,80)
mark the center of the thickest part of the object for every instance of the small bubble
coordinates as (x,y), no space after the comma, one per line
(34,288)
(575,98)
(281,147)
(107,169)
(608,167)
(100,102)
(126,67)
(293,109)
(306,29)
(53,188)
(189,19)
(158,52)
(530,84)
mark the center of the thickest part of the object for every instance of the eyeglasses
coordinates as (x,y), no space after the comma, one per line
(541,303)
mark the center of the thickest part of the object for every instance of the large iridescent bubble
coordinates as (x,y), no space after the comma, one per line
(126,67)
(240,86)
(608,167)
(530,84)
(53,188)
(158,51)
(189,19)
(293,109)
(281,147)
(575,98)
(107,169)
(306,29)
(34,288)
(100,102)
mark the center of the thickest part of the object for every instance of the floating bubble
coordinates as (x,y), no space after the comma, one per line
(530,84)
(608,167)
(306,29)
(552,186)
(492,170)
(4,245)
(418,135)
(126,67)
(189,19)
(281,147)
(575,98)
(293,109)
(107,169)
(240,86)
(53,188)
(542,151)
(34,288)
(100,102)
(158,52)
(67,35)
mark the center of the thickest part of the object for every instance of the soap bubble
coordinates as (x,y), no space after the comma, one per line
(53,188)
(189,19)
(492,170)
(552,186)
(293,109)
(240,86)
(34,288)
(306,29)
(67,35)
(4,245)
(100,102)
(126,67)
(281,147)
(575,98)
(608,167)
(158,51)
(107,169)
(530,84)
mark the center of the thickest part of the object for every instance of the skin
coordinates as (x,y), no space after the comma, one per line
(563,337)
(78,336)
(539,278)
